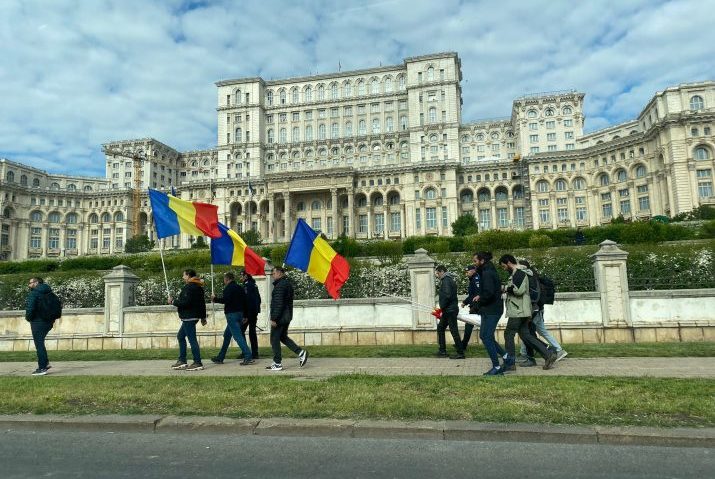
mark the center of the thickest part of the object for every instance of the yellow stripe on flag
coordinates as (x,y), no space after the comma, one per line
(186,214)
(321,258)
(239,249)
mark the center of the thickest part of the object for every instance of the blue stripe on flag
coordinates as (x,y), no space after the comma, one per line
(301,246)
(165,220)
(222,248)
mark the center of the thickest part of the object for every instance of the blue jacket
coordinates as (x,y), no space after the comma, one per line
(32,311)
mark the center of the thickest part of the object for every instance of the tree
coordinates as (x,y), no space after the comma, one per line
(138,244)
(252,237)
(200,243)
(465,225)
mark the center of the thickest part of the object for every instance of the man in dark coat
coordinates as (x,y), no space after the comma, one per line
(191,306)
(39,322)
(470,301)
(449,305)
(281,315)
(234,305)
(253,308)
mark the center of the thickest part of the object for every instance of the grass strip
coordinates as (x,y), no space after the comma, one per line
(553,400)
(643,350)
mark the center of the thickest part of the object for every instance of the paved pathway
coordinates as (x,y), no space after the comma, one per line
(327,367)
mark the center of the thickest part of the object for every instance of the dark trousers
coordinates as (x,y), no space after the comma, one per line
(188,331)
(448,319)
(486,334)
(40,329)
(529,348)
(521,326)
(251,326)
(233,330)
(279,335)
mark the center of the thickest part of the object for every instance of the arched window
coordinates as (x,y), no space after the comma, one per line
(403,122)
(362,127)
(93,218)
(393,199)
(542,186)
(430,193)
(10,177)
(560,185)
(321,92)
(7,213)
(347,89)
(388,84)
(295,134)
(432,115)
(71,187)
(295,97)
(389,127)
(87,188)
(282,97)
(269,97)
(239,135)
(321,131)
(579,184)
(36,183)
(360,88)
(55,186)
(374,86)
(621,176)
(603,180)
(466,197)
(501,194)
(308,94)
(484,195)
(640,171)
(334,91)
(377,200)
(315,205)
(361,202)
(348,128)
(71,218)
(549,112)
(23,180)
(118,217)
(237,97)
(309,133)
(300,206)
(36,216)
(697,103)
(53,217)
(282,135)
(106,218)
(702,153)
(375,126)
(334,131)
(518,192)
(430,74)
(531,114)
(567,110)
(401,82)
(270,136)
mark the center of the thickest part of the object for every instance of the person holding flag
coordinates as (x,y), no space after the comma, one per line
(281,315)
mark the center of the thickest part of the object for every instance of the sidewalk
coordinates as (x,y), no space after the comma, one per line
(328,367)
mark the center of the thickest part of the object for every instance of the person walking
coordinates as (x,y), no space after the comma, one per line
(253,308)
(448,303)
(491,308)
(470,301)
(41,321)
(234,304)
(518,310)
(281,315)
(191,306)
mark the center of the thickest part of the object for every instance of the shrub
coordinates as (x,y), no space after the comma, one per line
(707,230)
(387,252)
(138,244)
(251,237)
(465,225)
(539,241)
(278,254)
(347,247)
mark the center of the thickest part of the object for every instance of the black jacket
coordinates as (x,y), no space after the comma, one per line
(32,310)
(191,303)
(282,301)
(234,298)
(448,302)
(490,301)
(253,303)
(472,292)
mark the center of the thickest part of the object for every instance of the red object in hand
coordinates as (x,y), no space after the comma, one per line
(437,313)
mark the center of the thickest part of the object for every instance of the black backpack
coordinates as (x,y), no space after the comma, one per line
(50,306)
(548,290)
(534,288)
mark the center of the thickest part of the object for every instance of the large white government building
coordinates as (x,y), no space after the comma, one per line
(379,153)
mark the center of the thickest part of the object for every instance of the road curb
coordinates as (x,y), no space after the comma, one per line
(372,429)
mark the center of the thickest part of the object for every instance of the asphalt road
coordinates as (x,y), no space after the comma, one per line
(27,454)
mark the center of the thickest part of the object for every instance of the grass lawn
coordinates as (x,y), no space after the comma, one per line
(694,349)
(556,400)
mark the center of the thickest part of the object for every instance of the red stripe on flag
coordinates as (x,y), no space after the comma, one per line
(338,274)
(207,219)
(254,264)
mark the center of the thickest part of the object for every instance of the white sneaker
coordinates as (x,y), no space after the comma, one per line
(561,354)
(275,367)
(303,358)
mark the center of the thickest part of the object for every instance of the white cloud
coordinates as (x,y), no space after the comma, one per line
(76,74)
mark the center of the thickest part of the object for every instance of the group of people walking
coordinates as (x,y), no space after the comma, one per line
(487,297)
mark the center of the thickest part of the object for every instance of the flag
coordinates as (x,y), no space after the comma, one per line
(251,191)
(230,248)
(309,252)
(173,216)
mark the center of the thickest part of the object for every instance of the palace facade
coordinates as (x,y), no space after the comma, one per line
(378,153)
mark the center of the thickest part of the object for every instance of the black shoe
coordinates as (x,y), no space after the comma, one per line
(508,367)
(216,360)
(550,360)
(179,365)
(246,362)
(441,354)
(457,356)
(527,363)
(195,367)
(39,372)
(303,358)
(464,346)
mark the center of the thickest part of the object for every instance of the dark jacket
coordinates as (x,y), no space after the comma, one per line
(282,301)
(448,302)
(32,310)
(472,292)
(253,303)
(191,303)
(490,301)
(234,299)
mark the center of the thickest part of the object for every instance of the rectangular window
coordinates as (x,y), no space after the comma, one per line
(485,219)
(533,126)
(534,149)
(568,135)
(544,202)
(379,223)
(445,218)
(35,237)
(625,207)
(395,222)
(54,238)
(551,137)
(643,189)
(502,217)
(551,148)
(418,219)
(644,203)
(550,125)
(580,213)
(346,225)
(71,239)
(431,218)
(624,193)
(563,214)
(607,210)
(534,138)
(362,224)
(605,196)
(568,122)
(519,216)
(705,189)
(316,225)
(544,217)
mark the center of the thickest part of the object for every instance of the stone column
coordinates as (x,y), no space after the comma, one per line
(334,212)
(265,288)
(351,218)
(609,269)
(422,288)
(286,216)
(271,215)
(118,294)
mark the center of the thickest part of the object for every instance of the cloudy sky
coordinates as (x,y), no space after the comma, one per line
(75,74)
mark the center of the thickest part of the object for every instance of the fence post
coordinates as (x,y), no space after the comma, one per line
(118,294)
(610,271)
(265,287)
(422,289)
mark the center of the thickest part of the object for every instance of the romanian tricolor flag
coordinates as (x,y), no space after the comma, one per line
(311,253)
(231,249)
(173,216)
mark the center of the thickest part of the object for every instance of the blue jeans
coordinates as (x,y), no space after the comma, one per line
(540,327)
(39,333)
(486,334)
(188,331)
(233,329)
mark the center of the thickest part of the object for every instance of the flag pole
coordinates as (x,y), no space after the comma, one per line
(213,309)
(163,266)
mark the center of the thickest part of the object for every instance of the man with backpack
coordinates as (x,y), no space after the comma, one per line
(42,308)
